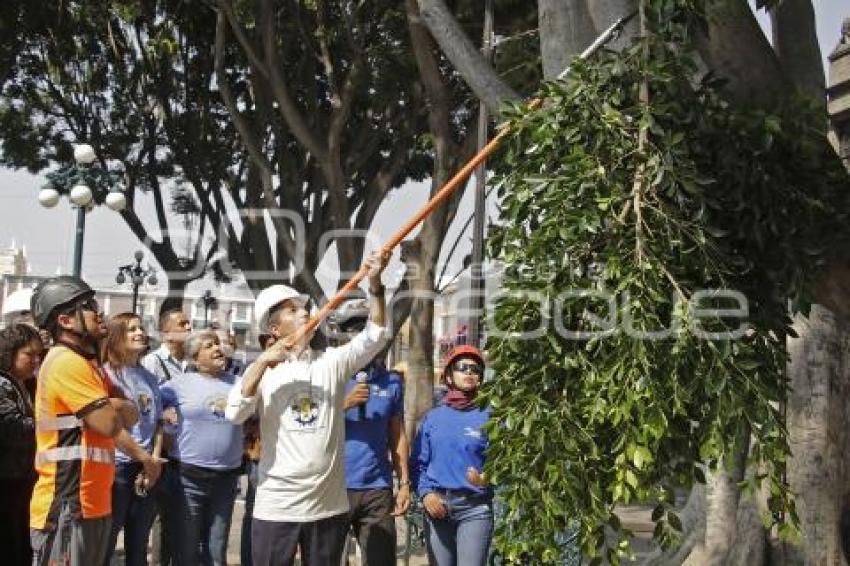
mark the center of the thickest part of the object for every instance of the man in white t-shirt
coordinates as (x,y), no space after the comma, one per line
(298,395)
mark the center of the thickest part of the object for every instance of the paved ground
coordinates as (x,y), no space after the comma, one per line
(416,559)
(635,518)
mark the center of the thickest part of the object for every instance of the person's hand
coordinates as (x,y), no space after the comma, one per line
(280,351)
(153,470)
(170,416)
(376,263)
(358,396)
(476,478)
(402,500)
(435,506)
(127,411)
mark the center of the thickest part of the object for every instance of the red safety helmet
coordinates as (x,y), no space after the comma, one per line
(459,352)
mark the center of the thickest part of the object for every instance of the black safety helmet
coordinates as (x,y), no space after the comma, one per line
(352,314)
(55,294)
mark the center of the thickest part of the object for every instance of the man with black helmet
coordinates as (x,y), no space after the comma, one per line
(76,419)
(374,428)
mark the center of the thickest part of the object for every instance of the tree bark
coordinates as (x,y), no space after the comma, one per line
(736,49)
(606,12)
(419,381)
(795,41)
(422,253)
(466,58)
(723,496)
(566,29)
(819,431)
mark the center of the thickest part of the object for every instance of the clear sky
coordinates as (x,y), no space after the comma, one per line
(48,233)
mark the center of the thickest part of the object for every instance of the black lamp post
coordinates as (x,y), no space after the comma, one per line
(137,275)
(209,303)
(85,186)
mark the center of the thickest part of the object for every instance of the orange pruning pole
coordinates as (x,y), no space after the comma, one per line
(444,193)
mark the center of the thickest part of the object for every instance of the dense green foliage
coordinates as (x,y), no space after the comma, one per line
(606,243)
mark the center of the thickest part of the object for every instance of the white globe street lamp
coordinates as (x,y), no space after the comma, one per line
(48,198)
(80,195)
(84,154)
(86,185)
(116,201)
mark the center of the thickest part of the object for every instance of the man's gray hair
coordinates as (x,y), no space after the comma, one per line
(194,341)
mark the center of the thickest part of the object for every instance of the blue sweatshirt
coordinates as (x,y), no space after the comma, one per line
(448,442)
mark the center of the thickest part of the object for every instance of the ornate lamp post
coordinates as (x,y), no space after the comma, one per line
(137,275)
(85,186)
(209,303)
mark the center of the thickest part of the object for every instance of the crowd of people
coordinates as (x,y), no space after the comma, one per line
(100,436)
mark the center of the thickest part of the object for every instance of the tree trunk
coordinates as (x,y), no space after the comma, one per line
(818,472)
(176,291)
(423,252)
(795,41)
(606,12)
(566,29)
(819,430)
(723,496)
(736,49)
(419,382)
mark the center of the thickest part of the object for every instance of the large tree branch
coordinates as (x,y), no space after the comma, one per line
(481,77)
(439,107)
(737,50)
(252,144)
(246,131)
(796,43)
(325,52)
(242,37)
(288,109)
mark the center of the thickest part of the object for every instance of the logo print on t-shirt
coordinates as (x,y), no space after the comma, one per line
(305,411)
(217,406)
(144,401)
(471,432)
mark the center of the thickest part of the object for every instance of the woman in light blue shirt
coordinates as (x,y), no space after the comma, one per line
(137,463)
(207,453)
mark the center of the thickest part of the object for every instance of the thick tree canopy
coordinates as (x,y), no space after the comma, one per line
(648,352)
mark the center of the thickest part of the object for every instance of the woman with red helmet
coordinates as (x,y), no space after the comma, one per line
(447,463)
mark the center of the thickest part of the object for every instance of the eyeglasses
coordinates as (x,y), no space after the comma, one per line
(468,368)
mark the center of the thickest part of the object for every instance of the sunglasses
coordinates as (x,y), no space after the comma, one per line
(468,368)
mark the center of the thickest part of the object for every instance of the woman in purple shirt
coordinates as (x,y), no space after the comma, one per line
(207,453)
(137,463)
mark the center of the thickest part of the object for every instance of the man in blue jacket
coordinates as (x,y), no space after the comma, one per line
(374,434)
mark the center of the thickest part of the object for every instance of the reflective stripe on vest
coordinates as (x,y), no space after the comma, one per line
(65,453)
(48,424)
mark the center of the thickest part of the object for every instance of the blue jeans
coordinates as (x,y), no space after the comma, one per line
(251,470)
(132,513)
(463,537)
(203,506)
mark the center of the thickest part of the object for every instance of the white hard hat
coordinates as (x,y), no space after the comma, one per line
(19,301)
(272,296)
